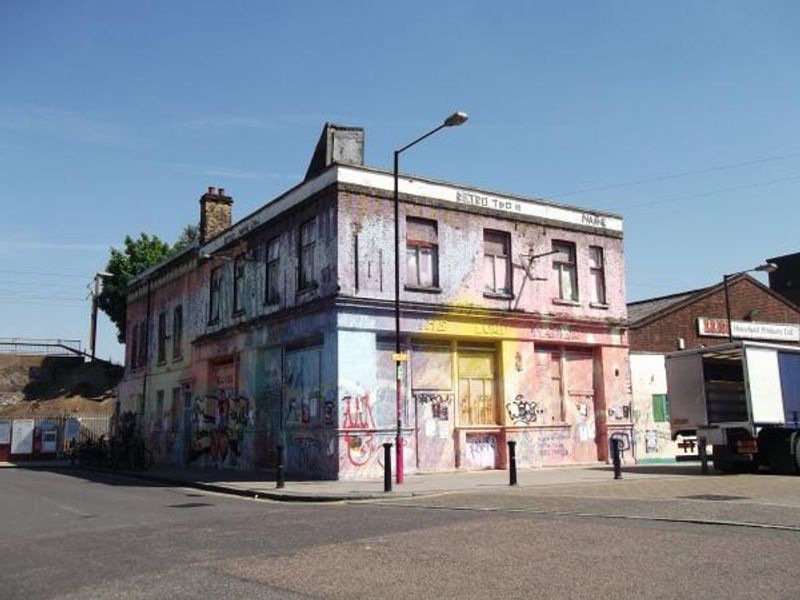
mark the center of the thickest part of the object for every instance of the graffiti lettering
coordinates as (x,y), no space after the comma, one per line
(523,411)
(358,412)
(429,398)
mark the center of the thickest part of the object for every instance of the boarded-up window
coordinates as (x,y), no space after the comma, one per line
(432,368)
(302,377)
(308,243)
(238,283)
(476,388)
(273,272)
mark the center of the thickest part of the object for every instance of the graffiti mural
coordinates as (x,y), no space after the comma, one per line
(218,425)
(304,454)
(523,411)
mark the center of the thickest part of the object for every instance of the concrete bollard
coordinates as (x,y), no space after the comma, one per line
(279,476)
(387,466)
(701,450)
(512,462)
(616,452)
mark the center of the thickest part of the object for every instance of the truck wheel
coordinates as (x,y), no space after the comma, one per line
(721,464)
(781,461)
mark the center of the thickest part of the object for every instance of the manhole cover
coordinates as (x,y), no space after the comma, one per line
(714,497)
(189,505)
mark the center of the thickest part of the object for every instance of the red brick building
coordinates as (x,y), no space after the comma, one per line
(698,317)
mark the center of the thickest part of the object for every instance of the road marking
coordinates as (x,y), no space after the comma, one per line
(74,511)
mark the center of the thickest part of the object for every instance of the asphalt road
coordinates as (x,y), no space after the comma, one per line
(66,536)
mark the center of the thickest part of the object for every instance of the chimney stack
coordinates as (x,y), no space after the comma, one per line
(215,213)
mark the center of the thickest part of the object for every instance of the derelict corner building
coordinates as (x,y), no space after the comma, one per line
(279,329)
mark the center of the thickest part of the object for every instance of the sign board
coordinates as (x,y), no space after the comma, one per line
(5,432)
(22,436)
(750,330)
(49,441)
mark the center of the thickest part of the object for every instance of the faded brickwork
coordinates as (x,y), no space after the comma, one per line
(286,333)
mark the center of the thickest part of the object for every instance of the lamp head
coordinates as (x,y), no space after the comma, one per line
(767,267)
(456,119)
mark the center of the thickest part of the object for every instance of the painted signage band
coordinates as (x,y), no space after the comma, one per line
(751,330)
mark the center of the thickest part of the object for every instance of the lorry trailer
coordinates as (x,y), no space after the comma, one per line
(741,397)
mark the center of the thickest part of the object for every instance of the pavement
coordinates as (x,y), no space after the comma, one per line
(550,480)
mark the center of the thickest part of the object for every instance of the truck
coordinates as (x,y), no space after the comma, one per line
(743,399)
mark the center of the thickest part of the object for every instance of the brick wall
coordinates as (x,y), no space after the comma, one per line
(662,334)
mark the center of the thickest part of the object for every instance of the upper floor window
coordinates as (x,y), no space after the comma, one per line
(273,272)
(238,283)
(133,344)
(177,332)
(215,289)
(597,273)
(566,270)
(497,262)
(422,253)
(162,336)
(143,341)
(308,242)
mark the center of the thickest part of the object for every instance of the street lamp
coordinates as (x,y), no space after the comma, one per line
(766,267)
(454,120)
(98,277)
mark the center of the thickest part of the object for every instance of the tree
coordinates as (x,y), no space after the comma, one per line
(189,234)
(137,256)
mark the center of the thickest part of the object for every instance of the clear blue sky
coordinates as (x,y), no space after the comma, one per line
(115,116)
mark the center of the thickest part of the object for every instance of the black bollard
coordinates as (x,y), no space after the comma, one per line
(616,458)
(279,477)
(387,466)
(512,462)
(701,450)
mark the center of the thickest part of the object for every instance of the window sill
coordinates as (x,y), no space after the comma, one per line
(214,321)
(238,313)
(563,302)
(177,358)
(274,303)
(161,363)
(600,305)
(423,289)
(498,295)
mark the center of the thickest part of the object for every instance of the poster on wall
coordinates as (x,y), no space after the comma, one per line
(72,430)
(22,436)
(5,432)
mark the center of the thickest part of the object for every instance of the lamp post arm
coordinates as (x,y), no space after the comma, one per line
(419,139)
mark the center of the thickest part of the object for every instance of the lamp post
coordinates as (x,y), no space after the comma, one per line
(457,118)
(766,267)
(93,322)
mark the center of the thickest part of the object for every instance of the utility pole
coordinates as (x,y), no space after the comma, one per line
(93,323)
